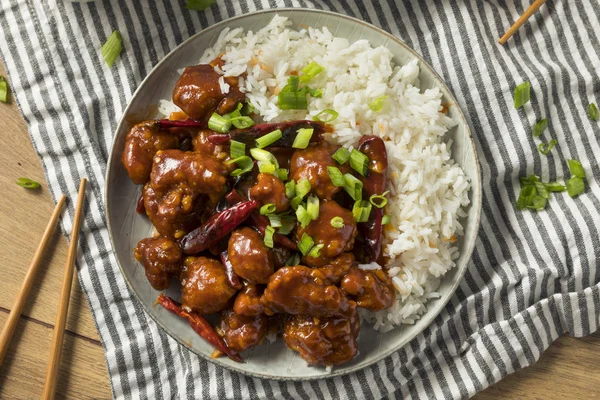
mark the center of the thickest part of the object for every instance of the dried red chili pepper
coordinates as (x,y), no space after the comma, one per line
(289,130)
(216,227)
(186,123)
(200,325)
(232,277)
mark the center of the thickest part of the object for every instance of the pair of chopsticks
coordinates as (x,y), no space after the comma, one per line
(522,19)
(61,316)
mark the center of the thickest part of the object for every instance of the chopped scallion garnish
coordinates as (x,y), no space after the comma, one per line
(316,251)
(244,163)
(292,100)
(303,216)
(268,209)
(386,219)
(198,5)
(539,127)
(326,116)
(288,223)
(353,186)
(269,232)
(247,109)
(379,201)
(264,156)
(305,244)
(593,112)
(268,139)
(302,138)
(3,90)
(310,71)
(317,93)
(312,207)
(282,174)
(274,220)
(293,260)
(576,168)
(359,162)
(342,155)
(361,211)
(236,149)
(302,187)
(522,94)
(242,122)
(28,183)
(337,222)
(112,48)
(290,189)
(219,123)
(267,168)
(336,176)
(377,104)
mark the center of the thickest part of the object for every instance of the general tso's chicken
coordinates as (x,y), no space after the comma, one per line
(249,256)
(326,341)
(280,256)
(248,301)
(270,190)
(161,258)
(141,144)
(303,290)
(204,286)
(335,240)
(182,185)
(335,270)
(198,93)
(311,163)
(242,332)
(201,144)
(372,289)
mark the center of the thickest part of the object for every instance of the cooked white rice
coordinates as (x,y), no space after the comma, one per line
(427,188)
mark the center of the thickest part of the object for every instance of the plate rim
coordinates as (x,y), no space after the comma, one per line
(429,316)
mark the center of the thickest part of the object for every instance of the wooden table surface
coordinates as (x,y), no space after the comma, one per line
(569,369)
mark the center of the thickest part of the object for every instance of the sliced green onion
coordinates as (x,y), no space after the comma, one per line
(302,138)
(312,207)
(379,200)
(522,94)
(342,155)
(282,174)
(359,162)
(292,85)
(302,188)
(236,149)
(242,122)
(353,187)
(290,189)
(198,5)
(247,109)
(316,93)
(244,163)
(593,112)
(3,90)
(386,219)
(377,104)
(274,220)
(268,139)
(112,48)
(310,71)
(303,216)
(361,211)
(336,176)
(28,183)
(293,260)
(292,101)
(264,156)
(288,223)
(327,115)
(267,168)
(537,203)
(539,127)
(268,209)
(269,232)
(576,168)
(337,222)
(316,251)
(295,202)
(575,186)
(237,112)
(219,123)
(545,149)
(555,187)
(305,244)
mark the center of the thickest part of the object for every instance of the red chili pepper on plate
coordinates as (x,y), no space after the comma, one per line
(217,227)
(186,123)
(200,325)
(289,130)
(232,277)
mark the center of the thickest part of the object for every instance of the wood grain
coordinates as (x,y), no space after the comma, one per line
(570,369)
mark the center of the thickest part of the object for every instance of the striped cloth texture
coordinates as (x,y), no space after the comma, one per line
(533,276)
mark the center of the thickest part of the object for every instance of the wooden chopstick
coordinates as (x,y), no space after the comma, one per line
(15,313)
(528,13)
(65,295)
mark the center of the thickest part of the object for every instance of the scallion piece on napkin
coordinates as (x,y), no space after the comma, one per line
(3,90)
(522,94)
(112,48)
(540,127)
(593,112)
(545,149)
(199,5)
(576,184)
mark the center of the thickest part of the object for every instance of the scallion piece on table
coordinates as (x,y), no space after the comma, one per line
(312,207)
(377,104)
(242,122)
(274,220)
(303,216)
(361,211)
(316,251)
(575,186)
(522,94)
(112,48)
(244,163)
(336,176)
(576,168)
(290,189)
(545,149)
(593,112)
(337,222)
(305,244)
(269,232)
(379,200)
(293,260)
(386,219)
(268,139)
(236,149)
(302,138)
(267,209)
(359,162)
(310,71)
(327,115)
(198,5)
(3,90)
(288,223)
(28,183)
(540,127)
(219,123)
(342,155)
(353,186)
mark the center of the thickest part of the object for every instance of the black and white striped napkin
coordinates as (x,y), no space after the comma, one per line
(533,276)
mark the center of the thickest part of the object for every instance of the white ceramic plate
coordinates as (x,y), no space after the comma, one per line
(126,228)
